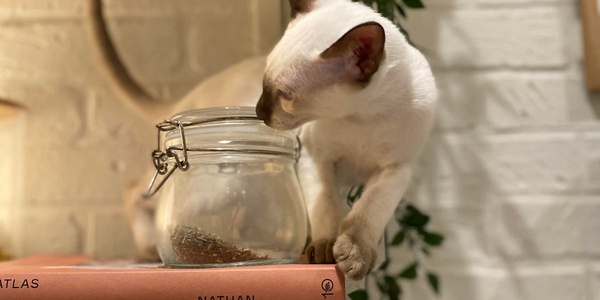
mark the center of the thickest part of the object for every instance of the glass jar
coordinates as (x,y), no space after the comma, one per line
(230,195)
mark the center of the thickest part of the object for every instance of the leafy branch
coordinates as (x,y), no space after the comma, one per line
(394,10)
(413,232)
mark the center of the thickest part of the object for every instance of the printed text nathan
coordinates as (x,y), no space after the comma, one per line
(231,297)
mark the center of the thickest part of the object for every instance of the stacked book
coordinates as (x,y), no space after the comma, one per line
(80,277)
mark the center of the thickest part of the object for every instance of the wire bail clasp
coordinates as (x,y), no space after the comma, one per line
(160,156)
(167,160)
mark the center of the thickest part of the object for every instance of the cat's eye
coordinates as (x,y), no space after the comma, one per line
(286,95)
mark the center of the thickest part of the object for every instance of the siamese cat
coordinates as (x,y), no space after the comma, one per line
(363,101)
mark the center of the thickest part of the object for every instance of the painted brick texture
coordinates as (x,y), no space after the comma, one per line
(521,282)
(492,38)
(511,174)
(77,144)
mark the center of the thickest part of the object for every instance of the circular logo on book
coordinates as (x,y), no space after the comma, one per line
(327,286)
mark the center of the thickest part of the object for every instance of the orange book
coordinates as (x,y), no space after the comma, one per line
(80,277)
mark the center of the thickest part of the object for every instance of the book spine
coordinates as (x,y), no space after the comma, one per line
(182,284)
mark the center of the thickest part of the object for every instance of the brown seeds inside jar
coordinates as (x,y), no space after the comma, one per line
(193,246)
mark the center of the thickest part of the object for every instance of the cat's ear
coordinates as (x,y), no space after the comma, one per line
(300,7)
(361,49)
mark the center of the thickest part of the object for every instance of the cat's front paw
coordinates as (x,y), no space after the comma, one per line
(320,251)
(354,257)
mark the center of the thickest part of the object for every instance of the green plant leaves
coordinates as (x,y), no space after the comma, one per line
(414,218)
(393,289)
(368,3)
(384,265)
(413,232)
(410,272)
(354,194)
(434,282)
(401,10)
(386,9)
(388,286)
(398,239)
(359,295)
(418,221)
(414,3)
(432,238)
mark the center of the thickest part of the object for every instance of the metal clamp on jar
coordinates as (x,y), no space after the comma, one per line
(236,200)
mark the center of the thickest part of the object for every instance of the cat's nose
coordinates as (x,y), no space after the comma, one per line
(263,109)
(261,113)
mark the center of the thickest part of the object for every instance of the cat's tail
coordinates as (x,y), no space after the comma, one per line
(117,75)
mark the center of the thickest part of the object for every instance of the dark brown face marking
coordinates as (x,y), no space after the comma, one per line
(363,45)
(300,7)
(268,99)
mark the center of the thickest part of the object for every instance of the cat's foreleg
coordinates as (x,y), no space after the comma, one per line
(323,206)
(362,229)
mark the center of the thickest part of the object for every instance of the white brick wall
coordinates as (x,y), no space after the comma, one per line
(203,38)
(78,144)
(520,282)
(511,175)
(491,38)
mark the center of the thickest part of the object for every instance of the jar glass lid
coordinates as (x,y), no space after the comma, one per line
(234,131)
(229,129)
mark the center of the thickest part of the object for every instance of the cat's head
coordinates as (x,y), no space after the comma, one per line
(329,53)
